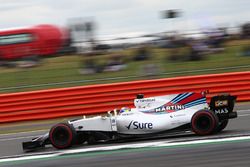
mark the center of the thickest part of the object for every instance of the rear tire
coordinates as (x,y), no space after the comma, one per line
(204,122)
(62,135)
(222,125)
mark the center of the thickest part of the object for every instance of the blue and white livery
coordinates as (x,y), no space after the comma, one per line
(150,117)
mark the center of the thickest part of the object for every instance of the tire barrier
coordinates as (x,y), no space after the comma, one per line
(96,99)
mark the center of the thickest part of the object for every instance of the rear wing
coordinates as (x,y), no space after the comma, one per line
(223,106)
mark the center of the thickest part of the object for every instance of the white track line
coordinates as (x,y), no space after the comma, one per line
(17,138)
(34,131)
(153,144)
(124,146)
(243,110)
(244,115)
(27,158)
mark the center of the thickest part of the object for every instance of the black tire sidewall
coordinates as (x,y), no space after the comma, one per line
(68,129)
(213,119)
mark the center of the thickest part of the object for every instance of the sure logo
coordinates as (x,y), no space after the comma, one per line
(139,125)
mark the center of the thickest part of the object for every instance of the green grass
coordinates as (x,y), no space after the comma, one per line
(66,69)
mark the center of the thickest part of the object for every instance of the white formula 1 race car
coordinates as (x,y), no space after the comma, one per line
(150,117)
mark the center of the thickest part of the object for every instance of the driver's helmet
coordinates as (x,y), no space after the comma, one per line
(125,109)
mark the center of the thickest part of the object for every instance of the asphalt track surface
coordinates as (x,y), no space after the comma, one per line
(228,154)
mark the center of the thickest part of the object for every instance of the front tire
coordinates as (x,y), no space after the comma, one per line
(204,122)
(62,135)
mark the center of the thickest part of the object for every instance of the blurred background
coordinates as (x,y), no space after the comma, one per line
(45,44)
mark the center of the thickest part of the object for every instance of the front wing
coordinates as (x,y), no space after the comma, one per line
(35,143)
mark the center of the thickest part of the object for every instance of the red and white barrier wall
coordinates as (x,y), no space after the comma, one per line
(84,100)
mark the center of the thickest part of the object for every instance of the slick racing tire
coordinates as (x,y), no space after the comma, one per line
(62,135)
(222,125)
(204,122)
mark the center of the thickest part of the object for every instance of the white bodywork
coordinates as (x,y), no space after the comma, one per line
(150,115)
